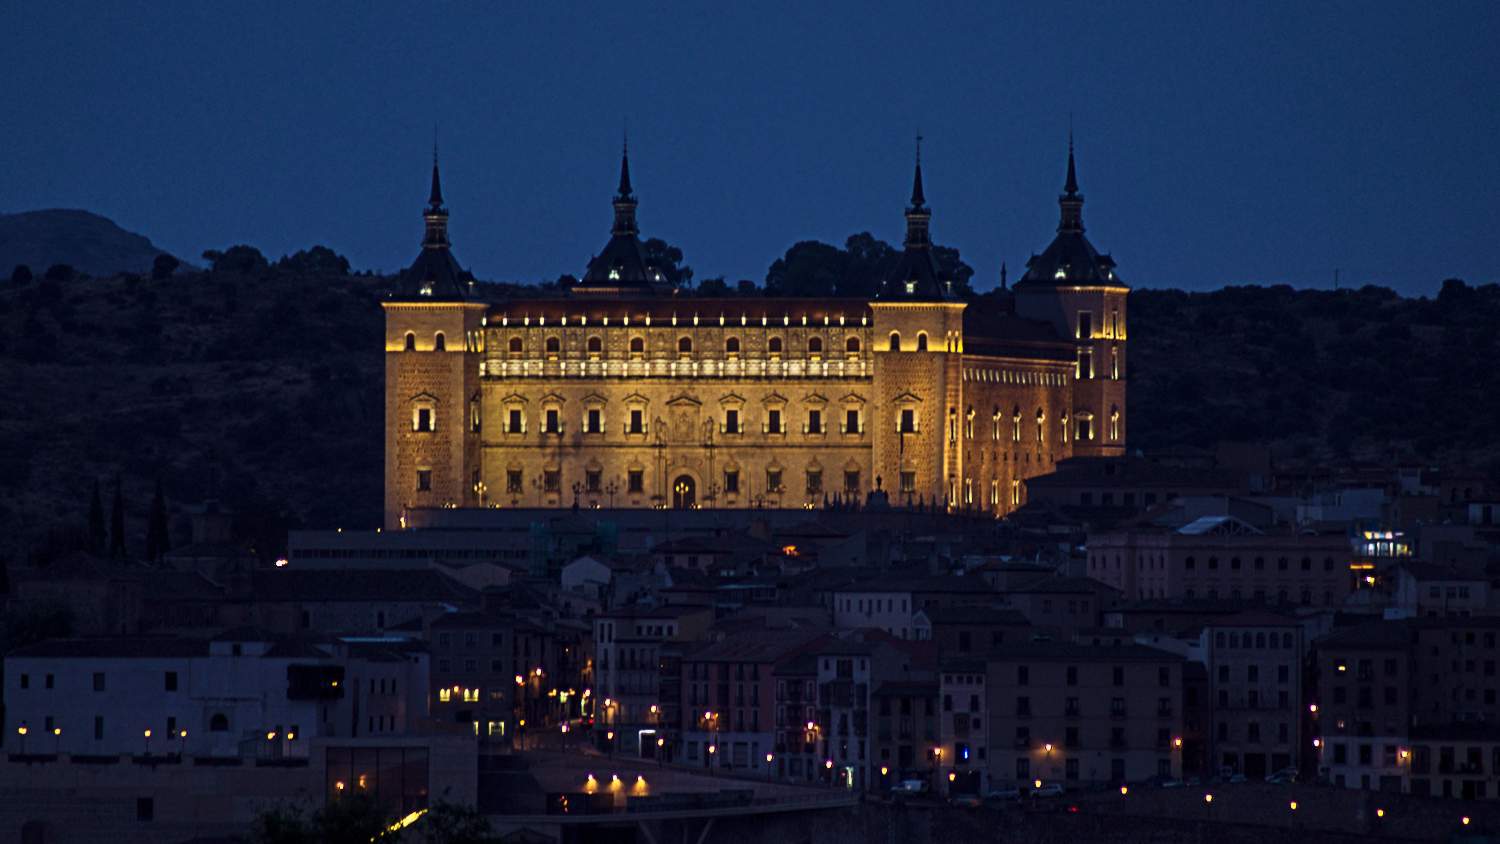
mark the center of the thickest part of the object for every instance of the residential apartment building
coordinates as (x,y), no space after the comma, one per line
(474,675)
(1255,705)
(628,652)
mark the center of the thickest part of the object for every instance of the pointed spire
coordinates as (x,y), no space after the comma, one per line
(1003,285)
(436,198)
(918,198)
(625,167)
(1071,201)
(1070,187)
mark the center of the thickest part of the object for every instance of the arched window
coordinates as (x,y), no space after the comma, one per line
(921,341)
(732,346)
(774,345)
(637,346)
(515,345)
(852,345)
(1041,425)
(1015,425)
(554,345)
(895,341)
(815,345)
(684,345)
(411,342)
(596,346)
(219,723)
(439,344)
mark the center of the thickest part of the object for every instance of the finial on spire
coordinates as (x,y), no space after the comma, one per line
(435,199)
(918,198)
(1071,186)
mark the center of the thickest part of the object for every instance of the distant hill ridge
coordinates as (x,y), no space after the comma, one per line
(84,240)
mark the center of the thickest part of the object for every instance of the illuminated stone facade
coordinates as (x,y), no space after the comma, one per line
(625,394)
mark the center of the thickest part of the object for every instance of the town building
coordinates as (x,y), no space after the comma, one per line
(625,392)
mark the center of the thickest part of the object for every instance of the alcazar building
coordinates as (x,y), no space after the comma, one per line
(627,393)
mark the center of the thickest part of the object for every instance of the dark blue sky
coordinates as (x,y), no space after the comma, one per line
(1218,143)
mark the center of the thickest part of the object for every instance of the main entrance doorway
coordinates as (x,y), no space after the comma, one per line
(684,492)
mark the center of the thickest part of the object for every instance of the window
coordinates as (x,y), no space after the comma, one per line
(815,347)
(908,421)
(515,345)
(637,421)
(423,420)
(815,421)
(731,481)
(591,479)
(553,423)
(921,341)
(171,681)
(814,481)
(731,421)
(515,423)
(732,346)
(1085,427)
(895,345)
(684,346)
(145,808)
(594,421)
(1084,369)
(851,421)
(219,723)
(851,481)
(637,347)
(439,344)
(909,482)
(851,346)
(98,681)
(595,347)
(635,481)
(551,480)
(424,480)
(773,480)
(513,484)
(411,342)
(1085,325)
(554,346)
(774,346)
(1041,425)
(773,422)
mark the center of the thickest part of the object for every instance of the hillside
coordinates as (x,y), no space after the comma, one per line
(263,390)
(88,242)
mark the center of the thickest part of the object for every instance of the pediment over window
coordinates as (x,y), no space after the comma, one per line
(683,400)
(514,398)
(853,398)
(774,398)
(595,398)
(814,398)
(731,398)
(553,398)
(423,398)
(636,398)
(908,397)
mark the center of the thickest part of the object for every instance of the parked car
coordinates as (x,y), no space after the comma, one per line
(1002,795)
(965,801)
(1285,776)
(910,787)
(1172,783)
(1048,790)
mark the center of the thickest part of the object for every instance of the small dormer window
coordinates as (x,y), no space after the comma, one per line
(614,275)
(426,289)
(1060,274)
(911,287)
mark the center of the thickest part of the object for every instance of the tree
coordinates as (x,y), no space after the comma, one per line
(236,259)
(117,522)
(809,268)
(60,272)
(667,258)
(21,274)
(451,823)
(157,541)
(319,260)
(713,287)
(164,266)
(97,536)
(358,820)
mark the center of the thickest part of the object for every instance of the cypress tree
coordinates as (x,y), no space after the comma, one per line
(156,527)
(117,522)
(97,535)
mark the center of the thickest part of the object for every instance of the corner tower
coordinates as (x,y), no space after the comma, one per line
(433,340)
(1074,288)
(918,342)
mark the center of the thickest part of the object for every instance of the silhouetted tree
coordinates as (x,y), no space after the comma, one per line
(60,272)
(667,258)
(713,287)
(97,536)
(21,274)
(157,541)
(164,266)
(117,522)
(319,260)
(236,259)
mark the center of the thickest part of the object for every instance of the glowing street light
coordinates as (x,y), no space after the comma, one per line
(1293,805)
(1124,790)
(1208,798)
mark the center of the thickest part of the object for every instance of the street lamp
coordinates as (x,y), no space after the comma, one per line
(22,731)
